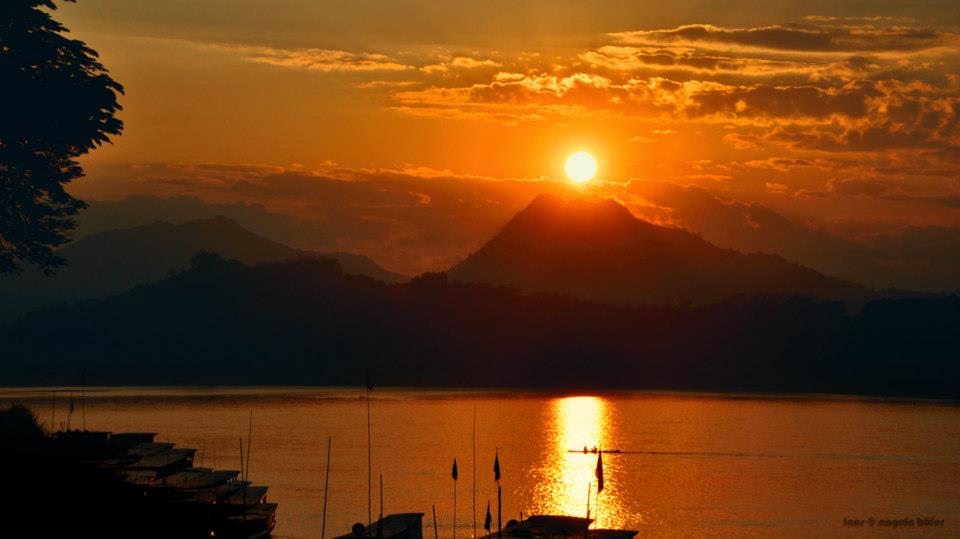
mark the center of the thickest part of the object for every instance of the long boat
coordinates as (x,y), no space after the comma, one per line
(196,502)
(558,527)
(395,526)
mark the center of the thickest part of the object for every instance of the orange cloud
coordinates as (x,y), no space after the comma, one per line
(797,38)
(323,60)
(460,62)
(624,58)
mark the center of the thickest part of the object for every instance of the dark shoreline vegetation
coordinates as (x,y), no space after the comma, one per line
(39,473)
(60,472)
(305,322)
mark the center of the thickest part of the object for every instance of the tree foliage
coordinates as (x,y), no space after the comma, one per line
(57,103)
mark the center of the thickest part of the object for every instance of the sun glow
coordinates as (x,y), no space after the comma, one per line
(581,167)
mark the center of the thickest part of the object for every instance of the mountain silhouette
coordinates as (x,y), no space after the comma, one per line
(110,262)
(597,250)
(140,210)
(305,322)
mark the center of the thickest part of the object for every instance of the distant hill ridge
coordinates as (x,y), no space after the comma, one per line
(597,250)
(110,262)
(305,322)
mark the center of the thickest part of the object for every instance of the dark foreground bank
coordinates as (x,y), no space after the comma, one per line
(97,484)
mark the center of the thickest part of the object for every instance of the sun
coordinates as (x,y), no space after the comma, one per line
(581,167)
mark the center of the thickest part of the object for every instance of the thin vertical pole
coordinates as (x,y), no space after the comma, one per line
(83,402)
(499,508)
(326,489)
(249,445)
(241,476)
(245,473)
(596,523)
(454,509)
(369,465)
(380,521)
(474,471)
(53,411)
(70,412)
(436,534)
(586,529)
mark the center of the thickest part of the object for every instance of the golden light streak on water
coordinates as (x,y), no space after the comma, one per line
(580,422)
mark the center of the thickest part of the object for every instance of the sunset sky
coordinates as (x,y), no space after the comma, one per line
(413,129)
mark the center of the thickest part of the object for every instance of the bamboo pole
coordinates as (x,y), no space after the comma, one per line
(380,520)
(369,465)
(474,471)
(586,529)
(499,510)
(326,489)
(241,476)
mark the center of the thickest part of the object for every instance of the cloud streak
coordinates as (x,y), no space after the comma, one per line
(794,38)
(323,60)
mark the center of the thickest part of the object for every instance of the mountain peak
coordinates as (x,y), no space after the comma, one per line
(583,209)
(580,221)
(596,249)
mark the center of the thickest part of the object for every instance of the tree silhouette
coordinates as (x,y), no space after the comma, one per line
(57,103)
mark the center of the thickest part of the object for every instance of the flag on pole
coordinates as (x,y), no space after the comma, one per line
(496,467)
(488,519)
(454,473)
(599,471)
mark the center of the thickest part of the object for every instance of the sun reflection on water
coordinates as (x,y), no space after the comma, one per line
(580,422)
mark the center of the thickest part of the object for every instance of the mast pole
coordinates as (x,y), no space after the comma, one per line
(369,464)
(454,508)
(245,471)
(249,446)
(83,402)
(596,523)
(586,529)
(241,476)
(474,471)
(326,488)
(380,520)
(499,510)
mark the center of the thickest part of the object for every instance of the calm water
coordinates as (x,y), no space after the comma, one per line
(694,465)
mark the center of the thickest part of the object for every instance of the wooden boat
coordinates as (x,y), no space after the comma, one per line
(559,527)
(150,448)
(249,495)
(593,451)
(149,469)
(130,439)
(237,493)
(183,500)
(199,478)
(396,526)
(255,522)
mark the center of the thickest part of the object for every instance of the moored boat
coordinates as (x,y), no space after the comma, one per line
(558,527)
(395,526)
